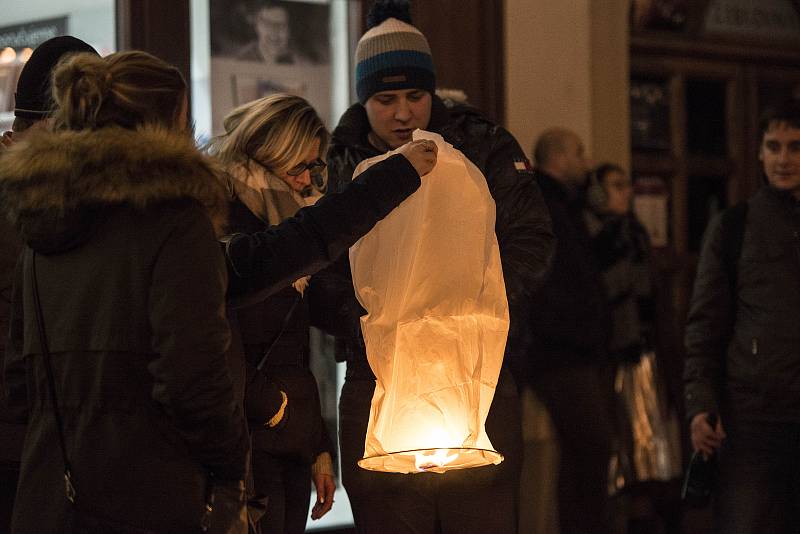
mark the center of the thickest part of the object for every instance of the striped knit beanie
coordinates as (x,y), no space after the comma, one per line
(393,55)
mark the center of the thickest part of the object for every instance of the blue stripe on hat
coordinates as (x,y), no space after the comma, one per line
(395,58)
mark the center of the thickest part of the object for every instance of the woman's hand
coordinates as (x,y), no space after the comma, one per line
(421,154)
(325,489)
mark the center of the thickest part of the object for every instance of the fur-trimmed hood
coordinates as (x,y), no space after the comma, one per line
(53,184)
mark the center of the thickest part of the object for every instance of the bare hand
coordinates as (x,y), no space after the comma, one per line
(704,438)
(7,140)
(421,154)
(325,489)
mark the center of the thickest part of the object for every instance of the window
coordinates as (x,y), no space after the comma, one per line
(25,25)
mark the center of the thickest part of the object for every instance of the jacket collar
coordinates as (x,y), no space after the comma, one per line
(54,182)
(353,127)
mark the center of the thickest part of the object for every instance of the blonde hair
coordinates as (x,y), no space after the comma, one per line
(126,89)
(277,130)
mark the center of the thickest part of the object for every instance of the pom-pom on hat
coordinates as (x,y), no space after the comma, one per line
(392,54)
(32,99)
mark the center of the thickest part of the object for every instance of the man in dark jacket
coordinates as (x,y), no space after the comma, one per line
(567,361)
(395,83)
(32,106)
(743,343)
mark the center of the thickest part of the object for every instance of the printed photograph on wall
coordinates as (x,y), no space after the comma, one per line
(261,47)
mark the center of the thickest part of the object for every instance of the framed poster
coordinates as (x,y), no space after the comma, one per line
(264,47)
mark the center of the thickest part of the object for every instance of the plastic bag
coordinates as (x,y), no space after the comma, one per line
(649,447)
(430,278)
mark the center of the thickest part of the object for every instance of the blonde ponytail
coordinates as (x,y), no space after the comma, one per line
(81,84)
(126,89)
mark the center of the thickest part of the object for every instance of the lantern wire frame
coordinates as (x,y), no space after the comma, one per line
(431,460)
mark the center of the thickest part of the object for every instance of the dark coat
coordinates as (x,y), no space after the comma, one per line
(264,262)
(280,325)
(11,433)
(743,350)
(132,287)
(621,249)
(522,226)
(569,320)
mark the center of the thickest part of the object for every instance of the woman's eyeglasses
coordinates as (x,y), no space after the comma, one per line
(315,167)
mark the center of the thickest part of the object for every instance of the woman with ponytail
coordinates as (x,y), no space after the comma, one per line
(118,210)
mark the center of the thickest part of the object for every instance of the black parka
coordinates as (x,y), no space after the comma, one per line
(522,225)
(743,350)
(278,327)
(11,432)
(570,323)
(132,285)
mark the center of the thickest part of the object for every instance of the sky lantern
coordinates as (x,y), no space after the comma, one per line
(430,278)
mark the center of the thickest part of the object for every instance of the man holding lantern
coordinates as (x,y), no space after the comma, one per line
(395,83)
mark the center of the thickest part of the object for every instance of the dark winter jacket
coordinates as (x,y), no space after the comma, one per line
(11,433)
(264,262)
(743,350)
(569,320)
(522,227)
(621,249)
(279,326)
(132,285)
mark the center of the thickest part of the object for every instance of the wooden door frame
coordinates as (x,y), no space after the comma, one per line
(162,28)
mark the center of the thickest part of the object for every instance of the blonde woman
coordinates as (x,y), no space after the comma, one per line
(271,148)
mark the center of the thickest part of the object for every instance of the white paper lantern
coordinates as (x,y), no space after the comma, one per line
(430,278)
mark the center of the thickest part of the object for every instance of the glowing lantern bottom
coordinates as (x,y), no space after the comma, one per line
(432,460)
(428,414)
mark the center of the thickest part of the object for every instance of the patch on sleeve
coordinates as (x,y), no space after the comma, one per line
(523,166)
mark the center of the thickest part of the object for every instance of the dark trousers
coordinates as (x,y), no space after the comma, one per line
(9,475)
(480,500)
(758,489)
(578,399)
(287,485)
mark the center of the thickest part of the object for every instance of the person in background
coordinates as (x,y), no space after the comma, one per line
(33,106)
(395,83)
(271,148)
(568,364)
(118,202)
(743,343)
(622,250)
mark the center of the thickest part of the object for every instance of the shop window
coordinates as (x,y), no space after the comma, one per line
(25,25)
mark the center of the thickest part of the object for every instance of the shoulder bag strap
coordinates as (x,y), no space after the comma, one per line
(69,488)
(277,338)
